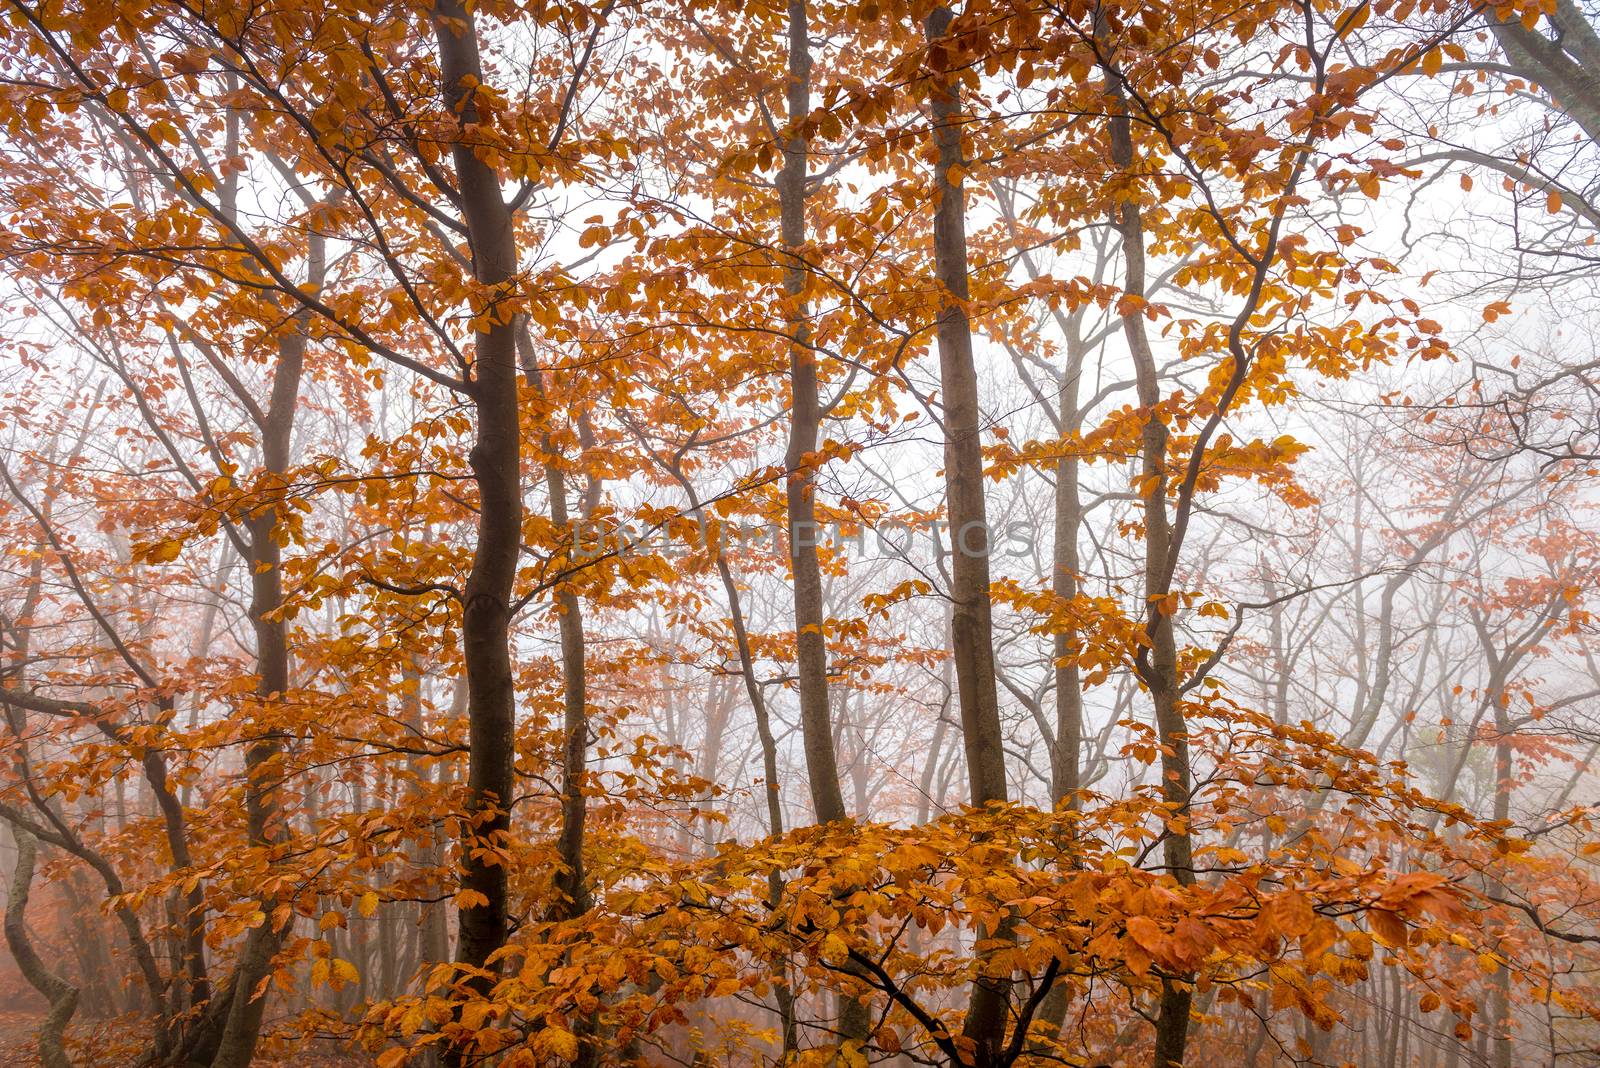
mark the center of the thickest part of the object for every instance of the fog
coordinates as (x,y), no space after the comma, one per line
(800,535)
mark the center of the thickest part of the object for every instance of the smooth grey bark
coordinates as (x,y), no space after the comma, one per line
(971,623)
(1066,741)
(1066,757)
(1066,752)
(1568,67)
(805,417)
(972,632)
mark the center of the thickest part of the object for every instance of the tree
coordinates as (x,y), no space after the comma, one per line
(816,532)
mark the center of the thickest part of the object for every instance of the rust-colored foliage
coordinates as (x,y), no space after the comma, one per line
(488,507)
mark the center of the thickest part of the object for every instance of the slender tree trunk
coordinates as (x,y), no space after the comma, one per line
(816,727)
(496,461)
(262,760)
(571,883)
(1066,756)
(972,640)
(772,791)
(930,767)
(769,768)
(805,418)
(971,625)
(1067,760)
(719,707)
(1158,666)
(1066,751)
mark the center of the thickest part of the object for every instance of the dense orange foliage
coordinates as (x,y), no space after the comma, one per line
(418,421)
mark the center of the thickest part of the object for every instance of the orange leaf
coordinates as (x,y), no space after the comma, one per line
(1388,926)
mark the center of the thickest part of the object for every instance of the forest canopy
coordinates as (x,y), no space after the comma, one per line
(1002,535)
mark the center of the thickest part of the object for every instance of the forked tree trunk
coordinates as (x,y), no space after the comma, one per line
(1158,666)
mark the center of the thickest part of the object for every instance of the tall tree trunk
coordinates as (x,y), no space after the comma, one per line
(496,461)
(1066,763)
(971,626)
(805,418)
(1066,756)
(769,767)
(571,883)
(1157,664)
(816,727)
(972,642)
(236,1048)
(1066,750)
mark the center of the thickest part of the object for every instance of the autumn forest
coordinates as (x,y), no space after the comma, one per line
(1019,534)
